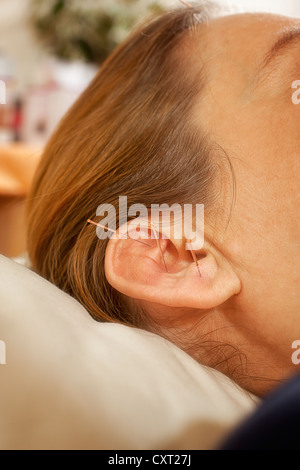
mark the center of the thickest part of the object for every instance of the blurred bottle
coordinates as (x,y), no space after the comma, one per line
(17,120)
(51,95)
(7,100)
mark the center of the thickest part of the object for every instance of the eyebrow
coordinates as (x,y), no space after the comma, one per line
(287,39)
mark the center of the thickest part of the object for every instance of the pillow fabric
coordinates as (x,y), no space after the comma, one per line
(72,383)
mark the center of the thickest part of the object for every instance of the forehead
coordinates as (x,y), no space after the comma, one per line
(238,38)
(231,48)
(256,24)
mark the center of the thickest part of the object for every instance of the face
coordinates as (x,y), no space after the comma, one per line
(247,109)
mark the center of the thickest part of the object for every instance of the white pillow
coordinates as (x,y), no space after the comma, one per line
(72,383)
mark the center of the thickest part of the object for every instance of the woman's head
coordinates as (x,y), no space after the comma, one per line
(179,115)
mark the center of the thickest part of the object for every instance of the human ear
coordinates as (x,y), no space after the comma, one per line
(166,274)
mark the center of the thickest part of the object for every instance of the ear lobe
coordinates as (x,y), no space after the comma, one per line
(137,271)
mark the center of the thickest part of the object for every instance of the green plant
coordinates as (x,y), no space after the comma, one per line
(88,30)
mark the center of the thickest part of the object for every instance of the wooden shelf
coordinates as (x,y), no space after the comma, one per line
(18,164)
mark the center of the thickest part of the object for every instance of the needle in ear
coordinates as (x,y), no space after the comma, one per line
(158,244)
(194,257)
(104,227)
(89,221)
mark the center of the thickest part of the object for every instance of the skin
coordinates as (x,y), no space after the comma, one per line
(263,238)
(248,298)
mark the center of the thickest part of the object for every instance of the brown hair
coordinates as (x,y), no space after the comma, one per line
(129,134)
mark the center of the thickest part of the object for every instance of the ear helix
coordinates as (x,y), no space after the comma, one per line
(89,221)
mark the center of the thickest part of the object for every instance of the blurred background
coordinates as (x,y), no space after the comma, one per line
(49,52)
